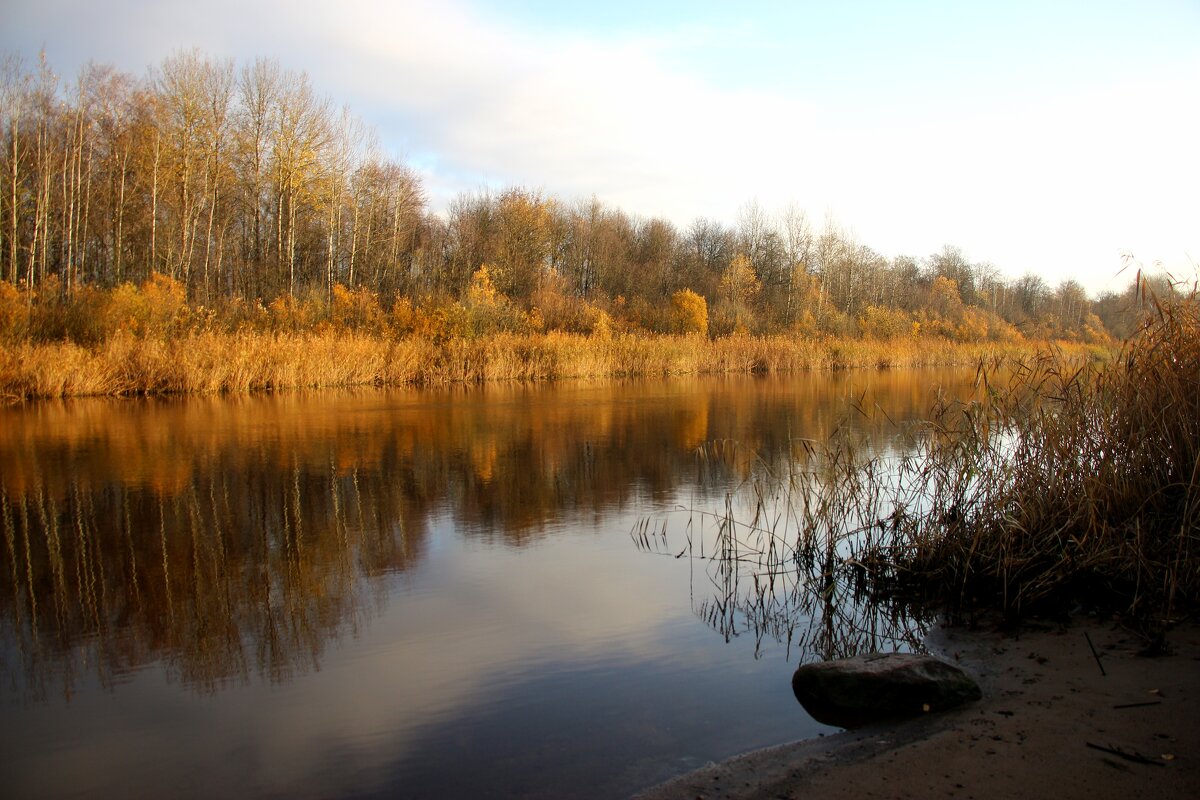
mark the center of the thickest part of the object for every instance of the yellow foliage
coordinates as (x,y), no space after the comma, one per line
(805,324)
(972,326)
(156,308)
(405,318)
(881,322)
(357,310)
(739,284)
(489,311)
(286,313)
(482,291)
(446,321)
(14,312)
(560,310)
(690,312)
(602,323)
(738,292)
(944,298)
(1093,330)
(534,321)
(522,240)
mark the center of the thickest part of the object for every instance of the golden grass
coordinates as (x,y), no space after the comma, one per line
(1062,482)
(1066,482)
(246,361)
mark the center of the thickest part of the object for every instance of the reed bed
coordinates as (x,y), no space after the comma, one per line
(1062,484)
(247,361)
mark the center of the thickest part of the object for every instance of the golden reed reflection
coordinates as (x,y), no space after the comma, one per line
(236,537)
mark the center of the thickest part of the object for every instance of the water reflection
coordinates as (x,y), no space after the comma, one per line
(755,583)
(457,537)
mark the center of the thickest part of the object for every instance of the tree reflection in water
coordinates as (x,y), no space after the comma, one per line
(229,539)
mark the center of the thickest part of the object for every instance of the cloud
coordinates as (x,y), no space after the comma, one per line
(1029,175)
(574,115)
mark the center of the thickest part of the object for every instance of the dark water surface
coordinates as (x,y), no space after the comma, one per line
(394,593)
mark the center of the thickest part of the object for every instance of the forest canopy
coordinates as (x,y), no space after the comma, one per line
(232,185)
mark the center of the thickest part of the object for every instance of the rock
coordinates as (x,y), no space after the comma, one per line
(855,691)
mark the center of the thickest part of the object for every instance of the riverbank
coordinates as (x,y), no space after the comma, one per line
(247,361)
(1081,710)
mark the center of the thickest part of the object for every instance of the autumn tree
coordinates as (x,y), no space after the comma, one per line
(797,259)
(654,250)
(738,292)
(302,130)
(707,247)
(16,99)
(520,246)
(950,263)
(258,93)
(690,312)
(244,183)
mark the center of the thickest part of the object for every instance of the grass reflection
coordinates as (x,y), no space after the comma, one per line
(231,540)
(777,554)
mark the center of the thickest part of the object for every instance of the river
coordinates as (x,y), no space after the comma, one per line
(483,592)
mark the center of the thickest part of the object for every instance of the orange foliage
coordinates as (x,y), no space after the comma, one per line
(690,312)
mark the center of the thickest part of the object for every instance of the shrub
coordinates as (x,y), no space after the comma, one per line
(14,313)
(690,312)
(563,311)
(405,319)
(357,310)
(879,322)
(489,311)
(289,313)
(156,308)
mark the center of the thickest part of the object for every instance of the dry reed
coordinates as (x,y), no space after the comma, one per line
(246,361)
(1062,483)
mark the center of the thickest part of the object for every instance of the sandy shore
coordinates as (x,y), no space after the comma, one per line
(1051,724)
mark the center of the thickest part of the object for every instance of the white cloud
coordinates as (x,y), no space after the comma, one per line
(1058,185)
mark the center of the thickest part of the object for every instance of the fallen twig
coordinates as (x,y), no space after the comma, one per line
(1136,758)
(1094,653)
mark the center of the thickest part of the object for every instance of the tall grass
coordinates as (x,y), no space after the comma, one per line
(248,360)
(1077,482)
(1063,482)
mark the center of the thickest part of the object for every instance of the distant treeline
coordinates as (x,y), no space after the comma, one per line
(245,187)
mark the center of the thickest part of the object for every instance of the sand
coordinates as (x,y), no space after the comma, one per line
(1051,724)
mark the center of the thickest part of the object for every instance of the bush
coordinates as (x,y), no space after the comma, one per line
(689,312)
(489,311)
(288,313)
(14,313)
(879,322)
(156,308)
(559,310)
(357,310)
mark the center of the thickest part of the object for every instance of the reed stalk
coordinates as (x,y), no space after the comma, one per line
(1064,483)
(246,361)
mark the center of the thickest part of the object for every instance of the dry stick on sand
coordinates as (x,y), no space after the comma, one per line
(1136,758)
(1095,655)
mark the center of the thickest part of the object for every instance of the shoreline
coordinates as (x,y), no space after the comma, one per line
(247,361)
(1050,723)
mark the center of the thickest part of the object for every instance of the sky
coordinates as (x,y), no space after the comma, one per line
(1047,137)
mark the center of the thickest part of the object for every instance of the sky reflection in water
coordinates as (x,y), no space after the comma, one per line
(419,594)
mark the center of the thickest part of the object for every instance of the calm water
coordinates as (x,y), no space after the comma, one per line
(397,594)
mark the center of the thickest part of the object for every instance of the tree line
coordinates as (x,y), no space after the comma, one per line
(242,184)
